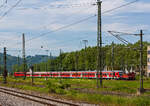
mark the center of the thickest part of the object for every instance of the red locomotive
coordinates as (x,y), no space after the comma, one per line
(117,74)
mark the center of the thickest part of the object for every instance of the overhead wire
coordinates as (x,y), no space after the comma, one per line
(66,26)
(82,20)
(10,9)
(121,6)
(106,12)
(124,33)
(77,22)
(70,17)
(1,6)
(55,22)
(113,10)
(59,5)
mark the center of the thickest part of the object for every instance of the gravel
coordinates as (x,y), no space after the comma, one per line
(9,100)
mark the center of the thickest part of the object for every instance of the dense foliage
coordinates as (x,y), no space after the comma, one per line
(125,56)
(15,63)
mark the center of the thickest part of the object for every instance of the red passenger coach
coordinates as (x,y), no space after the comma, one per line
(65,74)
(92,75)
(129,76)
(19,74)
(117,74)
(55,74)
(76,74)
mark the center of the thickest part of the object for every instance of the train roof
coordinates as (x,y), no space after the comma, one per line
(75,71)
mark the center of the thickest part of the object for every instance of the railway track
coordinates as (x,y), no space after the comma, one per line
(38,99)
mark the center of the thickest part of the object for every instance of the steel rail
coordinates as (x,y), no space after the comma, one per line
(24,97)
(35,96)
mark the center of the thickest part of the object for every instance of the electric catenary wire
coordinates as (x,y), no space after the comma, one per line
(77,22)
(54,6)
(1,6)
(10,9)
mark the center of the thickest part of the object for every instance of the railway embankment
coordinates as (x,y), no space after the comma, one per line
(84,91)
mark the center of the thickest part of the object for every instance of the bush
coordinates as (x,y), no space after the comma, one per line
(65,86)
(61,91)
(58,88)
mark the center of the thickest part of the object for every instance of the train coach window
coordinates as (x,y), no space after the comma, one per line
(120,74)
(56,74)
(75,74)
(84,74)
(97,73)
(114,73)
(105,74)
(91,74)
(66,74)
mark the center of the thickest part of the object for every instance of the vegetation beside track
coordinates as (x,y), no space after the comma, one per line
(116,92)
(125,56)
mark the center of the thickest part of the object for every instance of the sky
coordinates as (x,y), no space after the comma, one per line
(44,24)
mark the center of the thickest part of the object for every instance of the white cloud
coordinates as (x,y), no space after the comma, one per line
(124,27)
(38,16)
(32,19)
(8,38)
(141,7)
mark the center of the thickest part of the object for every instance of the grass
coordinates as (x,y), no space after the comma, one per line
(85,90)
(114,100)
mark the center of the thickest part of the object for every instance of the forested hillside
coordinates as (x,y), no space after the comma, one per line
(125,56)
(13,61)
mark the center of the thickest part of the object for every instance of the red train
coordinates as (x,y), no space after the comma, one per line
(80,74)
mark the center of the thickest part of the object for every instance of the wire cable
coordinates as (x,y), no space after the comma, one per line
(10,9)
(68,17)
(121,6)
(1,6)
(77,22)
(66,26)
